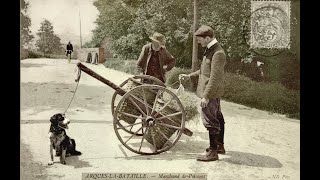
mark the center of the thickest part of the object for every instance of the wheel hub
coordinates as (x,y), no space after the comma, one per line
(150,121)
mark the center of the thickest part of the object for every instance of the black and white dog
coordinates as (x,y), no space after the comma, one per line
(63,144)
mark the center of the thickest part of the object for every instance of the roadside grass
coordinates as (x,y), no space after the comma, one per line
(272,97)
(127,66)
(24,54)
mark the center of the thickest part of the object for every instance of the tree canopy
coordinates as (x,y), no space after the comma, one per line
(25,23)
(129,23)
(48,42)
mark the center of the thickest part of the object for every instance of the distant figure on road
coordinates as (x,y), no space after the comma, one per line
(69,50)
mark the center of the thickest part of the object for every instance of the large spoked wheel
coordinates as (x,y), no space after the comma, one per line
(143,79)
(160,127)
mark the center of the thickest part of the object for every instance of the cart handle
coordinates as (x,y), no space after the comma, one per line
(85,69)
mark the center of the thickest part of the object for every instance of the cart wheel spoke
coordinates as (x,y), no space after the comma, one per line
(153,140)
(130,115)
(164,136)
(169,126)
(171,121)
(155,102)
(144,135)
(162,108)
(139,100)
(145,101)
(131,125)
(137,106)
(169,115)
(133,135)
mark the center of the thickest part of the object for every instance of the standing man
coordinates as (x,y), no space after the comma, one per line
(155,60)
(69,50)
(210,88)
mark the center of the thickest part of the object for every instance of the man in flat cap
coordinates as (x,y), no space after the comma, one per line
(210,88)
(155,60)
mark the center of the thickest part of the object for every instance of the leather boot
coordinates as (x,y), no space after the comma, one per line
(58,153)
(211,155)
(221,149)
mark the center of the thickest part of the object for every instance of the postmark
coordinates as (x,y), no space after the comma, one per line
(269,43)
(270,24)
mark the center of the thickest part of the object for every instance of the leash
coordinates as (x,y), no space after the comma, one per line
(178,81)
(180,89)
(174,83)
(77,80)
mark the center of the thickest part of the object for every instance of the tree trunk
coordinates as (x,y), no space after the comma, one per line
(195,44)
(195,64)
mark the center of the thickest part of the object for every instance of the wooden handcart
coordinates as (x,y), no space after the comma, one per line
(148,118)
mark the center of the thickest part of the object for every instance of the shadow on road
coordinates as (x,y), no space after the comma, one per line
(27,65)
(238,158)
(28,168)
(50,95)
(76,163)
(37,171)
(250,159)
(187,149)
(241,158)
(46,121)
(184,149)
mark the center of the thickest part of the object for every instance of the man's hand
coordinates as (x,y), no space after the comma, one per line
(204,102)
(165,67)
(183,76)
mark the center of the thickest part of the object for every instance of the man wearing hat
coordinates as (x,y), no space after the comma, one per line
(154,59)
(210,88)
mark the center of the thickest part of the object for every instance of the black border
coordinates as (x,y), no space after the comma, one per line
(309,54)
(302,84)
(11,85)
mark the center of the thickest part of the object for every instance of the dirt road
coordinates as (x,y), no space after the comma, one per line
(259,145)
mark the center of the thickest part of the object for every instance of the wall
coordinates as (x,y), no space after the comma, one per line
(82,54)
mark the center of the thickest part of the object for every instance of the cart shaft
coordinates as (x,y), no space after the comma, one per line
(85,69)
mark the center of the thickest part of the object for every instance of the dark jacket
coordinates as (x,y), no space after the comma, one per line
(165,58)
(70,47)
(211,73)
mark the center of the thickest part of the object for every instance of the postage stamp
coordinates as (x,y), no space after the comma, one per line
(270,24)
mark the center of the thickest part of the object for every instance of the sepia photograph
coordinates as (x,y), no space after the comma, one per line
(159,90)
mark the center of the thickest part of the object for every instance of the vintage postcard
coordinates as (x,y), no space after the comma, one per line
(159,90)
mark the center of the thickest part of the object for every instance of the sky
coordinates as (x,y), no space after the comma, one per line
(64,16)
